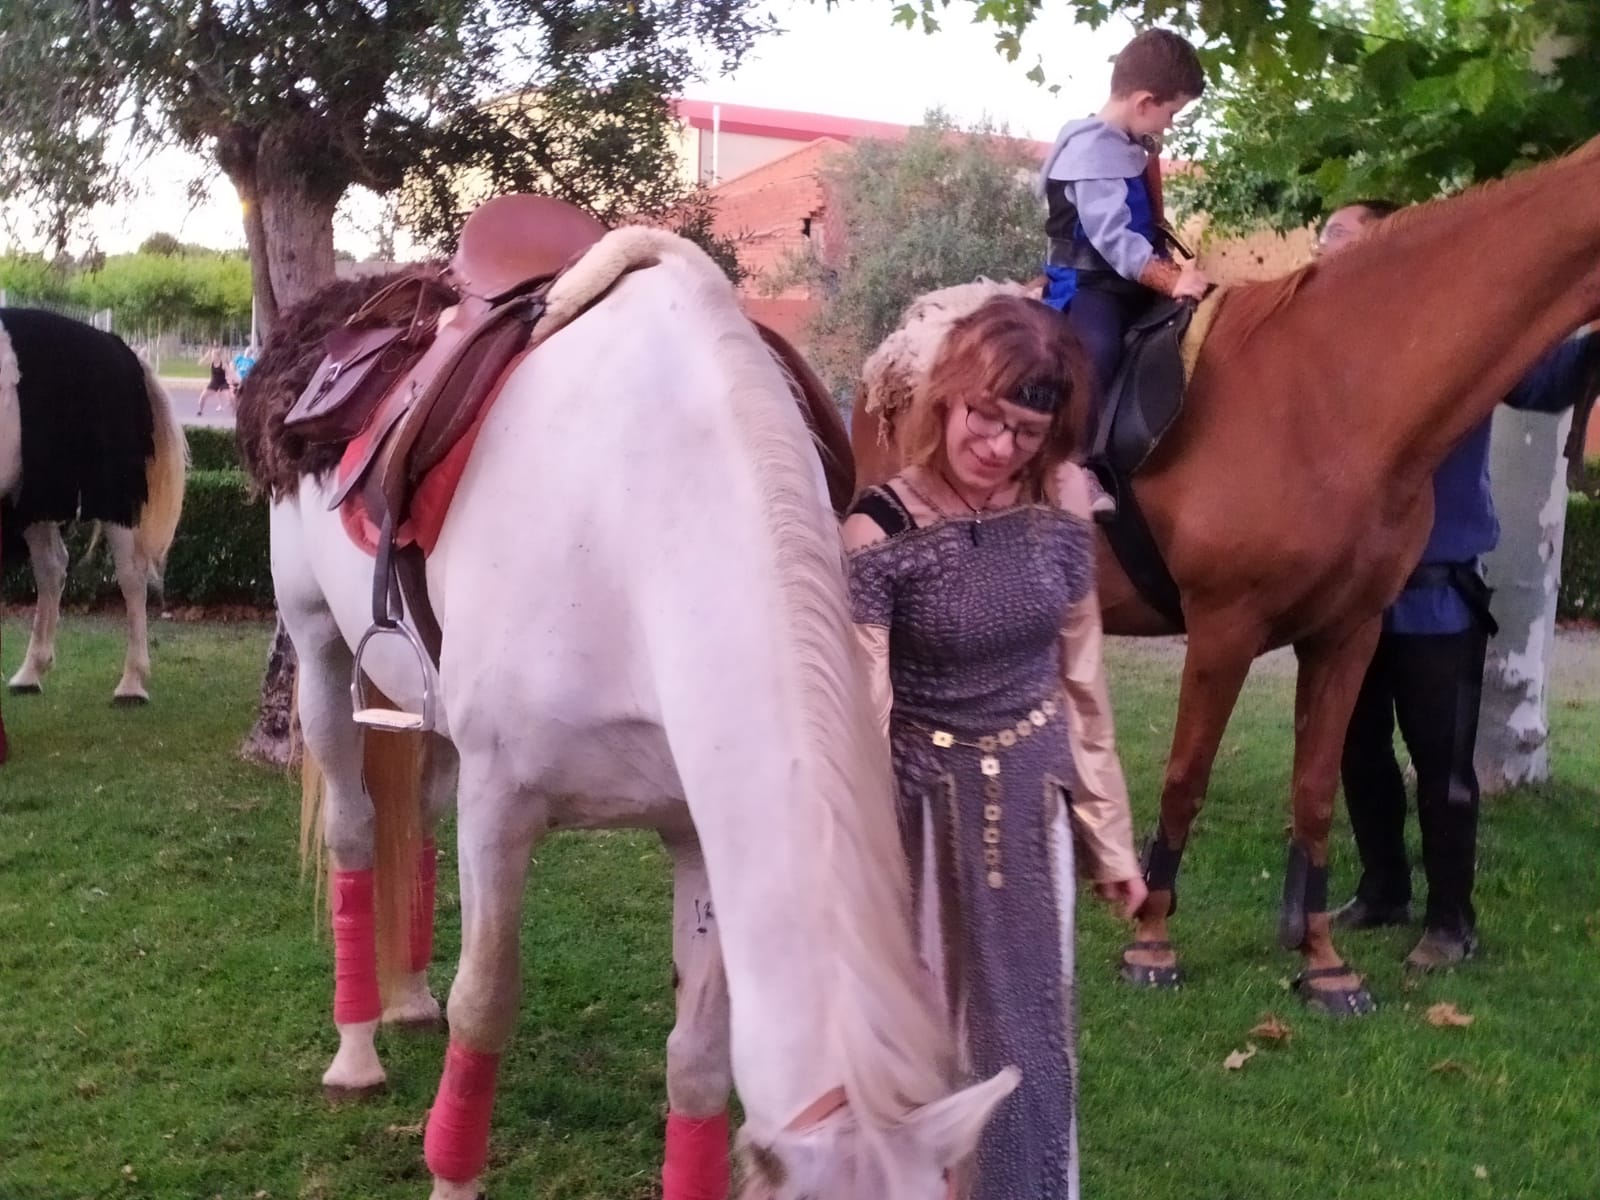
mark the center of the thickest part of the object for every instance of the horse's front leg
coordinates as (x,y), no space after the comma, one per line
(133,579)
(47,554)
(1214,668)
(496,832)
(699,1056)
(1331,670)
(409,1004)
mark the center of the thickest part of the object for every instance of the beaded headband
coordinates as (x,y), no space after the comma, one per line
(1040,396)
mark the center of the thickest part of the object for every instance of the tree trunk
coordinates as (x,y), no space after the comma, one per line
(275,740)
(288,222)
(1528,470)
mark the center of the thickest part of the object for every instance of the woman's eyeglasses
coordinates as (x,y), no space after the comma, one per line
(1026,438)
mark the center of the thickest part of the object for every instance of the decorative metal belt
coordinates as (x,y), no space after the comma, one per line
(990,746)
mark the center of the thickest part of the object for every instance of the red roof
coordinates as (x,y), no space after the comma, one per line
(780,123)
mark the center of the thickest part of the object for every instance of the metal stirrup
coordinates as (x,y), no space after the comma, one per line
(388,618)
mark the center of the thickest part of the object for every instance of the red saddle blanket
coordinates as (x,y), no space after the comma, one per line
(430,501)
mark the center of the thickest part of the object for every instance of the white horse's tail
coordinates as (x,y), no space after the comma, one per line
(164,477)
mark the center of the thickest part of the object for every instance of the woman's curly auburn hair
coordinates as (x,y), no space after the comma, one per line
(1006,344)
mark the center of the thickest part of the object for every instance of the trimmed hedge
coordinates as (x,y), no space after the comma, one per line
(1580,560)
(220,555)
(212,448)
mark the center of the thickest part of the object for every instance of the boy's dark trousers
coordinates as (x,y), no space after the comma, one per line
(1100,314)
(1432,684)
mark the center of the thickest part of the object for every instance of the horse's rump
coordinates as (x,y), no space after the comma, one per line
(86,425)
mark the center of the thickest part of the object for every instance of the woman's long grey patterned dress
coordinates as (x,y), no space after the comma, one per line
(974,609)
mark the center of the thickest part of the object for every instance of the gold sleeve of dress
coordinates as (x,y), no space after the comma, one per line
(874,641)
(1102,824)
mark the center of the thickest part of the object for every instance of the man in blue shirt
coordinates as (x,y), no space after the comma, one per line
(1427,674)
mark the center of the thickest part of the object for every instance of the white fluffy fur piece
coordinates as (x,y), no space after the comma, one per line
(620,251)
(898,368)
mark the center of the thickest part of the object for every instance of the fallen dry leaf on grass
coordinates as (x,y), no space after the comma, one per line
(1271,1029)
(406,1130)
(1481,1171)
(1446,1066)
(1238,1058)
(1444,1014)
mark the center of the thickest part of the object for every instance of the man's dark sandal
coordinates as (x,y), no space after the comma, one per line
(1142,975)
(1334,1002)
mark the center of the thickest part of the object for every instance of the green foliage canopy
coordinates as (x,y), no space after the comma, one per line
(296,102)
(143,291)
(943,206)
(1317,102)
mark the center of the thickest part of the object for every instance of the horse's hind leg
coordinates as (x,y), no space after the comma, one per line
(333,744)
(1329,679)
(133,579)
(1214,669)
(495,834)
(409,1005)
(47,554)
(699,1062)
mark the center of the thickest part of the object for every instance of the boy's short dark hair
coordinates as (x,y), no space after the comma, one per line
(1160,62)
(1377,209)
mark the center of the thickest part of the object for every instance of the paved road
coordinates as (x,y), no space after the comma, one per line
(185,397)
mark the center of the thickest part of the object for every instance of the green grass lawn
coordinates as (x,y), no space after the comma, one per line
(165,983)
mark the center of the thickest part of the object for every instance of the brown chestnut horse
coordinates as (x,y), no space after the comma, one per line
(1292,497)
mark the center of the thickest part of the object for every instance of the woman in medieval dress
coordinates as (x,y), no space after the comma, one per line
(972,581)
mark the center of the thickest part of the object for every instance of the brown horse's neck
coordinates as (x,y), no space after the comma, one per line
(1426,326)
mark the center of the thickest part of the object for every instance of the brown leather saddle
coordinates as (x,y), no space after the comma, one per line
(411,371)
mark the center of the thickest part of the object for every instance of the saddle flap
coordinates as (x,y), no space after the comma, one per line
(366,356)
(1147,394)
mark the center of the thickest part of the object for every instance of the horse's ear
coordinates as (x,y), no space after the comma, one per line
(949,1128)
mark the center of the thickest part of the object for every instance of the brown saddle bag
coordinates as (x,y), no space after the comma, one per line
(366,356)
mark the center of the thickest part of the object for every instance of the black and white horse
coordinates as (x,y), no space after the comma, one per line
(86,433)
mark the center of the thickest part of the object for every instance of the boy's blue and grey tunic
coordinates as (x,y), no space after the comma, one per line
(1093,182)
(974,612)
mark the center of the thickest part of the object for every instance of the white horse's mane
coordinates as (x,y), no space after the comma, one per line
(890,1040)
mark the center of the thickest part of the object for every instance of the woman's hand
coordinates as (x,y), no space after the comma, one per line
(1127,895)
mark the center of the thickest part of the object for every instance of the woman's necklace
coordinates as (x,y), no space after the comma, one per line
(977,511)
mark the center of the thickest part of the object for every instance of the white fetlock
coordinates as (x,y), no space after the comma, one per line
(355,1070)
(443,1189)
(411,1005)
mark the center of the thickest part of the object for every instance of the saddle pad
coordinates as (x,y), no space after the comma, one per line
(431,499)
(578,289)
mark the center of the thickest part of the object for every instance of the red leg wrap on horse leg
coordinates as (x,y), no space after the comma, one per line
(355,949)
(696,1166)
(456,1144)
(422,909)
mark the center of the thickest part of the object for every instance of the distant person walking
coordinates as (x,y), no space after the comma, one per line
(218,384)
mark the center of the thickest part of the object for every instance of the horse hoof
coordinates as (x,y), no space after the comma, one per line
(26,689)
(1335,1002)
(129,701)
(339,1094)
(1142,975)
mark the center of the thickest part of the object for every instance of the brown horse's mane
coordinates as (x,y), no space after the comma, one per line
(1247,306)
(274,459)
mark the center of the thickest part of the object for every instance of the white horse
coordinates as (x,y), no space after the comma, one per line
(645,624)
(98,408)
